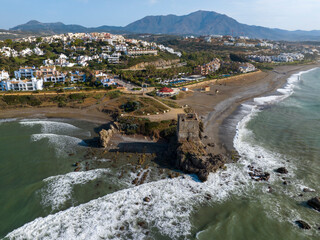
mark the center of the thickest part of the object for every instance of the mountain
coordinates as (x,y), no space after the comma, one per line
(59,28)
(54,28)
(206,23)
(197,23)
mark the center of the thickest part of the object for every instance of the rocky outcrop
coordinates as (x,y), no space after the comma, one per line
(314,203)
(192,158)
(158,64)
(258,174)
(303,224)
(281,170)
(106,135)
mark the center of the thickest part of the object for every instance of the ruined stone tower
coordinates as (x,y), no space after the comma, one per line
(188,127)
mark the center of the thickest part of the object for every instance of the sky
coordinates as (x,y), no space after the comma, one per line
(284,14)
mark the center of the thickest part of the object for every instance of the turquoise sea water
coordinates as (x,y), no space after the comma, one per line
(42,198)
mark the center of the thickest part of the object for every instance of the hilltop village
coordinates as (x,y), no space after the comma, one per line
(102,60)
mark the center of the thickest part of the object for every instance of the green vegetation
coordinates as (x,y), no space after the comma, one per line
(169,103)
(113,94)
(163,129)
(61,100)
(22,100)
(131,106)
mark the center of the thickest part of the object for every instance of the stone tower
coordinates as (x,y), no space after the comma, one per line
(188,127)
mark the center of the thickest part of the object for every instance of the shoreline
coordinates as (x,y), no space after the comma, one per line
(89,115)
(217,110)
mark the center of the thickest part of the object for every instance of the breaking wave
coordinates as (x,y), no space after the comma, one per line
(50,126)
(61,143)
(7,120)
(59,188)
(128,215)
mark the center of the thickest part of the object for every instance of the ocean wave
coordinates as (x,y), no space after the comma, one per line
(50,126)
(59,188)
(8,120)
(244,143)
(285,92)
(252,153)
(127,215)
(62,144)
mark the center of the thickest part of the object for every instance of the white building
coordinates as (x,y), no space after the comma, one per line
(25,72)
(4,75)
(26,52)
(247,67)
(48,62)
(22,85)
(38,51)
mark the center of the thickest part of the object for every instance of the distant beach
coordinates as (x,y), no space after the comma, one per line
(215,109)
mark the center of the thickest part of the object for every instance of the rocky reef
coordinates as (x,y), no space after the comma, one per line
(192,158)
(314,203)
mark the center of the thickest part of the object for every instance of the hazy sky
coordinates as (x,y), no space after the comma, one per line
(285,14)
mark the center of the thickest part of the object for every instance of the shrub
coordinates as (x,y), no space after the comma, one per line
(77,97)
(131,106)
(113,94)
(28,100)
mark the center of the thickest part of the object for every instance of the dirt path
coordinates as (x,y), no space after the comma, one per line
(172,114)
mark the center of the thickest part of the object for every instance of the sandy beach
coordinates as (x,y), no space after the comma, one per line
(214,108)
(91,114)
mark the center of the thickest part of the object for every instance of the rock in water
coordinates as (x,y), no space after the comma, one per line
(303,224)
(308,190)
(314,203)
(282,170)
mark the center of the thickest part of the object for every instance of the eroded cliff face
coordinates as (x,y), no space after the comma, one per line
(193,158)
(158,64)
(106,135)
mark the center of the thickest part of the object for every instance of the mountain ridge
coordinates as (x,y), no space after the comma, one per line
(196,23)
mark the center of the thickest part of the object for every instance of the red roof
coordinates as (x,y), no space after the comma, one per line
(165,89)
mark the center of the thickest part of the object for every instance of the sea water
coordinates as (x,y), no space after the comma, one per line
(42,198)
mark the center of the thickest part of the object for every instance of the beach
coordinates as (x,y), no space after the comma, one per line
(215,108)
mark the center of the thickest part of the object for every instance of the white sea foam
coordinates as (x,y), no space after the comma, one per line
(254,154)
(59,188)
(244,142)
(50,126)
(61,143)
(170,207)
(7,120)
(104,160)
(251,152)
(285,92)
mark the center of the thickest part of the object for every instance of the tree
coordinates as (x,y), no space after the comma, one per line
(238,58)
(151,70)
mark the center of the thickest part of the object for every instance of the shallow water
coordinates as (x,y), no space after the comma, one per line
(37,180)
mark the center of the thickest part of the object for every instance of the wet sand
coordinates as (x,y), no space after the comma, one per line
(214,108)
(86,114)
